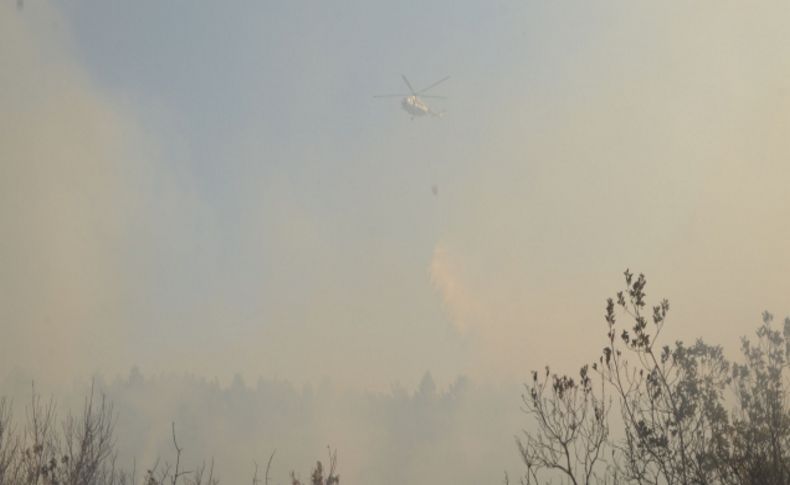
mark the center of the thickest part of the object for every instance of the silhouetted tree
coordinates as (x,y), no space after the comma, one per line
(317,477)
(572,428)
(761,424)
(80,452)
(673,414)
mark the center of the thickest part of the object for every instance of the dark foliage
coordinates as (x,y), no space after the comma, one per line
(677,421)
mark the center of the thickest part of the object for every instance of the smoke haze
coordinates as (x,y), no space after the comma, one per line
(204,190)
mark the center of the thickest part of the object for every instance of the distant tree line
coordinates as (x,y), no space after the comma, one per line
(649,413)
(643,412)
(393,436)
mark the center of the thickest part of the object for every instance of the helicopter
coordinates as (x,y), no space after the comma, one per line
(413,103)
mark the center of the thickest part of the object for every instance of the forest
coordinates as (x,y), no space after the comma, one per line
(647,411)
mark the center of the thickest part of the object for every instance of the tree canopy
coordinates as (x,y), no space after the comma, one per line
(649,412)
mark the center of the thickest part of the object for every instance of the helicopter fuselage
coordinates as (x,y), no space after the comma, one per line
(414,106)
(411,103)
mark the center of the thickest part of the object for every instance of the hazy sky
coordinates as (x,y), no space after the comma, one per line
(210,187)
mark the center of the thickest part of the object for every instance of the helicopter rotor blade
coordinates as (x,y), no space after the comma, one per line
(408,84)
(391,95)
(440,81)
(435,97)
